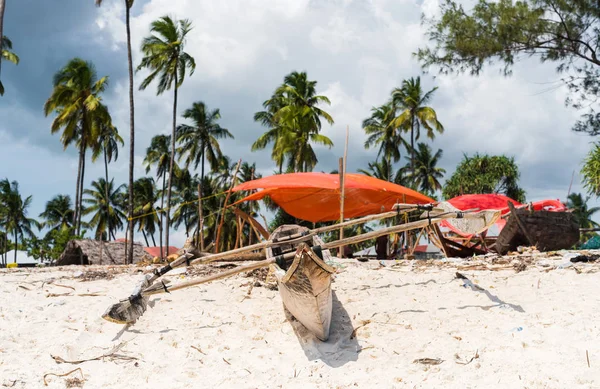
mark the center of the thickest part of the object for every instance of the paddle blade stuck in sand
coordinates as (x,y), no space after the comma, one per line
(129,310)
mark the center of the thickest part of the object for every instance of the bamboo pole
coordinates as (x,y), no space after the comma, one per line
(401,208)
(233,181)
(200,219)
(155,289)
(341,172)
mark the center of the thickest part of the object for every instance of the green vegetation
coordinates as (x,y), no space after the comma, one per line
(485,174)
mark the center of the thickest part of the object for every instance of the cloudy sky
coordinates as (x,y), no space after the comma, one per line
(357,50)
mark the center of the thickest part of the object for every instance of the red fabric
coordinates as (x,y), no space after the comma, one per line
(155,251)
(316,196)
(496,202)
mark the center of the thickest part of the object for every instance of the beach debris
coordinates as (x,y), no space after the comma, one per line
(92,275)
(64,375)
(585,258)
(429,361)
(476,356)
(198,349)
(364,323)
(587,356)
(112,354)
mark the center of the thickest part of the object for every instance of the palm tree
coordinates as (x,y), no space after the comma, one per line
(159,154)
(412,100)
(128,5)
(426,175)
(58,214)
(107,210)
(2,7)
(384,171)
(582,213)
(145,212)
(108,144)
(381,132)
(276,133)
(200,140)
(294,121)
(5,48)
(164,55)
(186,213)
(76,100)
(14,212)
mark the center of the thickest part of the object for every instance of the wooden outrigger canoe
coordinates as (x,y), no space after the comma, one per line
(305,285)
(545,230)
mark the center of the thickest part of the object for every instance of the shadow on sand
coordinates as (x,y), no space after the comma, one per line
(493,298)
(339,349)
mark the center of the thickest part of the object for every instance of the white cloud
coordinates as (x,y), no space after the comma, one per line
(358,51)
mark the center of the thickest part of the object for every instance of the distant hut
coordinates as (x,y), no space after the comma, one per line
(94,252)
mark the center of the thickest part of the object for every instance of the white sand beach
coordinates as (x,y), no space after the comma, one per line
(535,328)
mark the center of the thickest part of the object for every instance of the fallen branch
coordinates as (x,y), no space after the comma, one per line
(428,361)
(62,375)
(470,360)
(112,354)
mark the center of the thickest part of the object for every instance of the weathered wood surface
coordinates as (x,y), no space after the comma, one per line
(305,285)
(548,231)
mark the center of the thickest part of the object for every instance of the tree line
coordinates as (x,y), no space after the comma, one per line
(293,117)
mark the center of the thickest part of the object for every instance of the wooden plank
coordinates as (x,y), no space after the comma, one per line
(532,242)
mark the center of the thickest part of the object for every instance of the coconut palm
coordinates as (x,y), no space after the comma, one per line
(426,174)
(107,211)
(76,100)
(381,132)
(58,214)
(5,48)
(414,113)
(14,212)
(108,145)
(159,154)
(145,213)
(128,5)
(186,195)
(384,171)
(294,121)
(164,57)
(582,213)
(200,140)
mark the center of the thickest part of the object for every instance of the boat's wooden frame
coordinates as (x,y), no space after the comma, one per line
(305,285)
(545,230)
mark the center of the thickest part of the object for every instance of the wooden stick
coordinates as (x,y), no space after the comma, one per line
(521,225)
(341,172)
(200,219)
(233,181)
(258,228)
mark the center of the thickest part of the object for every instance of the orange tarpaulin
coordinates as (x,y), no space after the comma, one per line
(316,196)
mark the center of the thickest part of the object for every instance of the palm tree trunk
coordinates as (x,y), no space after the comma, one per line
(162,212)
(172,161)
(145,237)
(2,6)
(412,145)
(107,198)
(76,211)
(81,190)
(16,244)
(131,127)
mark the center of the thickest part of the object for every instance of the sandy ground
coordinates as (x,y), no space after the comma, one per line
(503,328)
